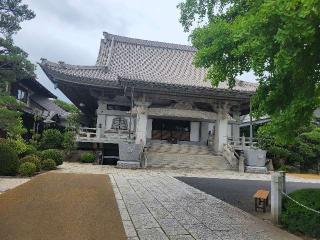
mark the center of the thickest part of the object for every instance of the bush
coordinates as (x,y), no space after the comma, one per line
(48,164)
(30,150)
(69,142)
(51,138)
(18,145)
(53,154)
(27,169)
(32,159)
(299,219)
(87,157)
(9,161)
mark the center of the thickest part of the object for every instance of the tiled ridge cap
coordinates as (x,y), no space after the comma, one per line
(148,43)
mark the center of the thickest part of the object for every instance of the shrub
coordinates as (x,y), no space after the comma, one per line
(18,145)
(69,141)
(32,159)
(51,138)
(53,154)
(27,169)
(299,219)
(48,164)
(9,161)
(30,150)
(87,157)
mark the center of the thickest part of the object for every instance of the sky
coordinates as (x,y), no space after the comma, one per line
(71,30)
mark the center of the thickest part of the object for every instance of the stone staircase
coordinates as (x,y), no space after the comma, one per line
(185,156)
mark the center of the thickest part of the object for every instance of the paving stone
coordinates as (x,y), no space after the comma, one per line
(137,209)
(129,229)
(181,237)
(160,213)
(172,227)
(132,238)
(201,232)
(142,221)
(152,234)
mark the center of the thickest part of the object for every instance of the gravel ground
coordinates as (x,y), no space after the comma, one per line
(60,207)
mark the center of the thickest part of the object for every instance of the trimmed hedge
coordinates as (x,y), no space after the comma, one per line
(27,169)
(9,161)
(298,219)
(53,154)
(48,164)
(33,159)
(87,157)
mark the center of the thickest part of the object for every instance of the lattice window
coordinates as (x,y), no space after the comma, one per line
(119,123)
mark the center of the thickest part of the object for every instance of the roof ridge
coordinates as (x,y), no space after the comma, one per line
(62,64)
(149,43)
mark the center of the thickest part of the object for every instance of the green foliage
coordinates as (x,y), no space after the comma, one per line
(301,220)
(69,107)
(48,164)
(277,40)
(87,157)
(73,120)
(9,161)
(18,145)
(12,14)
(303,152)
(51,138)
(32,159)
(69,141)
(53,154)
(10,117)
(30,150)
(14,64)
(27,169)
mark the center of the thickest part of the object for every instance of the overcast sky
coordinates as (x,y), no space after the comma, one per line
(70,30)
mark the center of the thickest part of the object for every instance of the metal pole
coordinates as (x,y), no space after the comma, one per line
(251,131)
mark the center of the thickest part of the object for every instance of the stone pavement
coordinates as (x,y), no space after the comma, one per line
(156,206)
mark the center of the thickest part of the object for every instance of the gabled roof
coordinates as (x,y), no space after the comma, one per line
(138,60)
(37,87)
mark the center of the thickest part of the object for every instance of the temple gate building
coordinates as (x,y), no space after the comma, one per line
(147,93)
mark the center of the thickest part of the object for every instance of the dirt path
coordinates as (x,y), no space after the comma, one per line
(61,206)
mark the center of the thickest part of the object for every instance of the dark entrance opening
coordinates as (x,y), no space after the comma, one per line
(110,154)
(166,129)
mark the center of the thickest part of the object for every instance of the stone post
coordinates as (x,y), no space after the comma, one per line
(221,131)
(141,123)
(236,128)
(277,181)
(241,163)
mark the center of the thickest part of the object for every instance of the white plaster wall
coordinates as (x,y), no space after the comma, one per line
(194,131)
(204,132)
(149,128)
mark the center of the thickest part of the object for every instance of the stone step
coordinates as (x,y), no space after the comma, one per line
(187,161)
(180,149)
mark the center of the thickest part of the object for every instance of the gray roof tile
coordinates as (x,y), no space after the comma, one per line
(143,60)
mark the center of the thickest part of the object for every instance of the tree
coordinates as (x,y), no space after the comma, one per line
(277,39)
(73,119)
(14,64)
(13,60)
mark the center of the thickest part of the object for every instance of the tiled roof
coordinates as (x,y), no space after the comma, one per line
(49,105)
(141,60)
